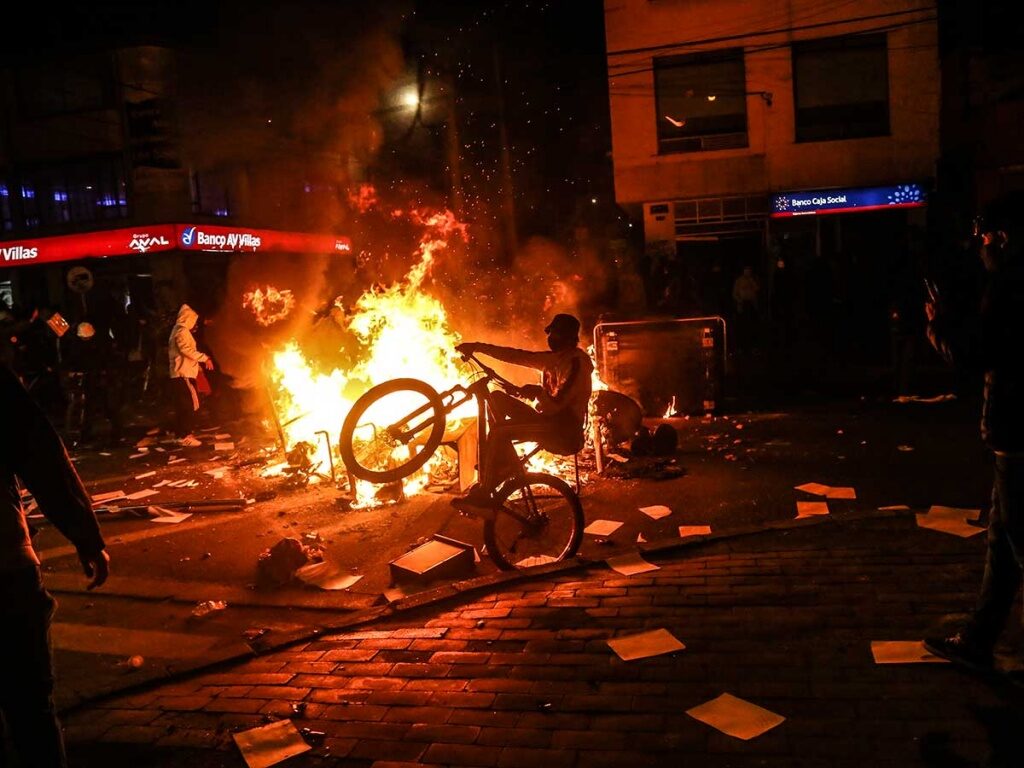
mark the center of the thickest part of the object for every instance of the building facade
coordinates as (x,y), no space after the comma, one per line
(798,138)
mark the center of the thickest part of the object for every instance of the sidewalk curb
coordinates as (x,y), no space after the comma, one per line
(460,589)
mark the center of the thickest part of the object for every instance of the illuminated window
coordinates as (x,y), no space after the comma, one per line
(701,102)
(6,220)
(841,88)
(83,191)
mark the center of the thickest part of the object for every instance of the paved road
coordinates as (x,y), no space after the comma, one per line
(522,675)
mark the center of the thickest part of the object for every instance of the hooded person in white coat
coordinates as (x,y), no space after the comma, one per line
(185,359)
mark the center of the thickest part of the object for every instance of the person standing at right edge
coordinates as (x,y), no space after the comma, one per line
(992,343)
(185,359)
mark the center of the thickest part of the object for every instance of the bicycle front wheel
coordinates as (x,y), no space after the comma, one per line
(540,521)
(392,430)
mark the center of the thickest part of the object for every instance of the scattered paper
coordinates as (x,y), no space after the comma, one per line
(646,644)
(105,453)
(811,508)
(217,474)
(161,484)
(164,515)
(270,744)
(902,652)
(530,562)
(841,493)
(141,494)
(640,539)
(222,436)
(953,513)
(223,446)
(144,475)
(905,448)
(603,527)
(893,508)
(656,512)
(818,489)
(618,457)
(136,455)
(736,717)
(99,498)
(326,575)
(694,530)
(954,526)
(630,564)
(174,460)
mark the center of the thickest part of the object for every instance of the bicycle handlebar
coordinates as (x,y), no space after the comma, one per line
(490,372)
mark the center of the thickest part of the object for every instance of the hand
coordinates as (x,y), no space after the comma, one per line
(929,310)
(467,348)
(530,391)
(96,567)
(999,238)
(208,364)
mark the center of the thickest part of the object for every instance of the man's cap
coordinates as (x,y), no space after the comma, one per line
(566,324)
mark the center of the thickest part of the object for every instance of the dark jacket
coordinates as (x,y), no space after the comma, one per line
(30,449)
(991,342)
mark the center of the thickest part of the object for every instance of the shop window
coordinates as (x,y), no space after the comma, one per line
(76,85)
(841,88)
(701,102)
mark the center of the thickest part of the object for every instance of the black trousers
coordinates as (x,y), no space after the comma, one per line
(26,685)
(1004,560)
(184,410)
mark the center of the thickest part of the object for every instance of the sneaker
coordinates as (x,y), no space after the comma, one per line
(960,648)
(189,441)
(477,498)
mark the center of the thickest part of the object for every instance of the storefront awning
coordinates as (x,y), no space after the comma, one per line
(823,201)
(135,241)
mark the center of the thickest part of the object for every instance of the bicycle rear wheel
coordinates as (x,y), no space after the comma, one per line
(540,521)
(380,444)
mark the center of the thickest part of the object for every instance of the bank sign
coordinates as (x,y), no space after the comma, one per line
(165,237)
(824,201)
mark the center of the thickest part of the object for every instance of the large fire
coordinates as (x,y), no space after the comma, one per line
(402,331)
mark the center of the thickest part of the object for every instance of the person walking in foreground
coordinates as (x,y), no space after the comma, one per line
(990,342)
(185,359)
(32,452)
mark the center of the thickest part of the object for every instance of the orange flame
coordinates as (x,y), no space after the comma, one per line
(269,305)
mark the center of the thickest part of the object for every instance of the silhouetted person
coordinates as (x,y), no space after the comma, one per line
(185,359)
(563,398)
(991,342)
(32,452)
(746,293)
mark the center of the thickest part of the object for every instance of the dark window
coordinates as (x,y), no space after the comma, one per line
(6,219)
(210,194)
(75,85)
(83,191)
(841,88)
(701,102)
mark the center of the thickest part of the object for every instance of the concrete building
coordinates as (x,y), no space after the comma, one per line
(792,134)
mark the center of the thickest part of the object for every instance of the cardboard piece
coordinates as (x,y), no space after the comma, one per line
(953,513)
(222,436)
(841,493)
(223,446)
(603,527)
(270,744)
(144,475)
(903,652)
(811,508)
(168,516)
(656,512)
(735,717)
(817,489)
(893,508)
(630,564)
(440,557)
(141,494)
(99,498)
(645,644)
(693,530)
(326,575)
(954,526)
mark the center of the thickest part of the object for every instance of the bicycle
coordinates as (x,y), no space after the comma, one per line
(536,518)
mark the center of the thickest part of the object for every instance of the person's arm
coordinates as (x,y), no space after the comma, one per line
(186,344)
(536,360)
(36,454)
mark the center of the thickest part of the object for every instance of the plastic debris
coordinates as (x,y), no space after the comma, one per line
(207,607)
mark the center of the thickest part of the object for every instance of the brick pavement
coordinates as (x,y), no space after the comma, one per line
(523,676)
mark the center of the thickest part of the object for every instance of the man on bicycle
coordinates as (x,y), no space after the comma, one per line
(562,397)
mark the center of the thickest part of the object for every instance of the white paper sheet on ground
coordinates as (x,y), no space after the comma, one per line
(270,744)
(818,489)
(175,460)
(136,455)
(99,498)
(893,508)
(529,562)
(953,513)
(841,493)
(618,457)
(693,530)
(161,484)
(144,475)
(603,527)
(811,508)
(640,539)
(646,644)
(735,717)
(902,652)
(223,446)
(222,436)
(141,494)
(169,516)
(630,564)
(326,575)
(105,453)
(656,512)
(954,526)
